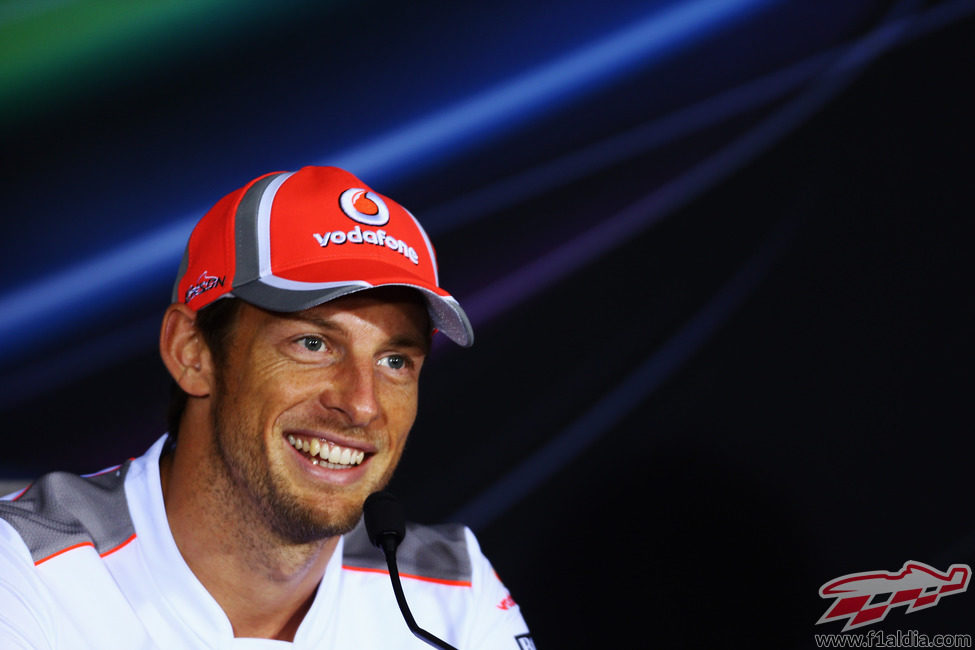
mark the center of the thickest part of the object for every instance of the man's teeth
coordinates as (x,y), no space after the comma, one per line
(326,453)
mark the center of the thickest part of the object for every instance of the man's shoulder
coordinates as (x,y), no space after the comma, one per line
(439,553)
(62,510)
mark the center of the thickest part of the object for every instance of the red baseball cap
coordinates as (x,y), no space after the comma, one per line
(288,241)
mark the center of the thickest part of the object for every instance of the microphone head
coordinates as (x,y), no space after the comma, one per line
(384,516)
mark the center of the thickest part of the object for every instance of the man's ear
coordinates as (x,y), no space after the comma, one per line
(184,352)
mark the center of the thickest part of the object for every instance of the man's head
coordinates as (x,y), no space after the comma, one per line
(287,241)
(301,318)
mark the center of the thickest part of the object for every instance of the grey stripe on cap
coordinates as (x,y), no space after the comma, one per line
(61,510)
(432,552)
(247,264)
(289,300)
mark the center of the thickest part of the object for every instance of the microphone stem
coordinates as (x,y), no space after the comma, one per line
(389,543)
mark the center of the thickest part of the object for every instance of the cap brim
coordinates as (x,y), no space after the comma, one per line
(445,312)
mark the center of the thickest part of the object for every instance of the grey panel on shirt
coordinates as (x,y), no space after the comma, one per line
(435,552)
(60,510)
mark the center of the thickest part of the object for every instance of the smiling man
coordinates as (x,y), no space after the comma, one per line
(302,316)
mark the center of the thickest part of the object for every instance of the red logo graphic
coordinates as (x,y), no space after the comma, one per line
(364,207)
(865,598)
(507,603)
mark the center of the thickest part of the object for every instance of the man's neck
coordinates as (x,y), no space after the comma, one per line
(263,584)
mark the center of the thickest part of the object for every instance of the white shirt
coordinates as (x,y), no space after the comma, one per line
(97,567)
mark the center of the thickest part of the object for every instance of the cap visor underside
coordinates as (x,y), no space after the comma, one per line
(446,313)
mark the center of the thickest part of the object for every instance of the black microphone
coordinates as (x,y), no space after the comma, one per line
(386,527)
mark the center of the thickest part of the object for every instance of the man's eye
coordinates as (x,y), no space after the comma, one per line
(395,361)
(312,343)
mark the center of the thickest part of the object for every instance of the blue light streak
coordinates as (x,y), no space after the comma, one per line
(620,402)
(76,295)
(645,42)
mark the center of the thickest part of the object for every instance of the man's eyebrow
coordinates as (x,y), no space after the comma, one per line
(317,321)
(421,344)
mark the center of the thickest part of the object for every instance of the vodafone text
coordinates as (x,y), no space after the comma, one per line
(898,639)
(374,237)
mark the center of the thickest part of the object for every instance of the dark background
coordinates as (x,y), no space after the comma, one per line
(716,255)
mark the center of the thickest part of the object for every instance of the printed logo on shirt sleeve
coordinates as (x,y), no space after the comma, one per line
(525,642)
(507,603)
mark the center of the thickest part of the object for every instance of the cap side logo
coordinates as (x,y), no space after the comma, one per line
(203,284)
(365,207)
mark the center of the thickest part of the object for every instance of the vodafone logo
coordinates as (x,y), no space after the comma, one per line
(364,207)
(368,209)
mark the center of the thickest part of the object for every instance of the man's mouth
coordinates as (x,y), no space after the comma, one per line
(327,454)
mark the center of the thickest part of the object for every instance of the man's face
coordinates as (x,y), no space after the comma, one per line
(339,380)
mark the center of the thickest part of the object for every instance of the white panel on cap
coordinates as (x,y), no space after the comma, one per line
(264,225)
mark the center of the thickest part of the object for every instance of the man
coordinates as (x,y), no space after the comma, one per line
(302,315)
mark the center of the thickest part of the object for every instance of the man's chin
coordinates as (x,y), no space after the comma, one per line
(300,524)
(306,532)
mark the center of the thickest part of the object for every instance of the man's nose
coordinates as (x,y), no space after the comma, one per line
(353,392)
